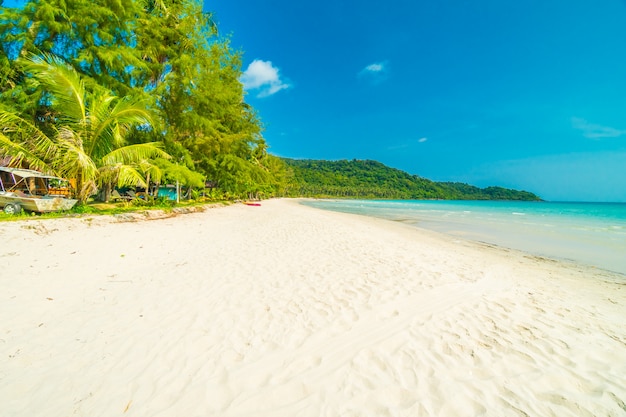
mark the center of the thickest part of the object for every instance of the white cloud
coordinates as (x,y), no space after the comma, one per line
(378,67)
(376,72)
(411,143)
(593,131)
(264,78)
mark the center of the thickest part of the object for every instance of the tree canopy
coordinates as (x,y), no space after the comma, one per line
(82,138)
(164,54)
(372,179)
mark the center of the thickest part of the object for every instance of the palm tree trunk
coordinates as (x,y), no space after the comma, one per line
(147,186)
(107,192)
(79,188)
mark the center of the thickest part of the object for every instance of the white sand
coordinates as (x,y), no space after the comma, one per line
(284,310)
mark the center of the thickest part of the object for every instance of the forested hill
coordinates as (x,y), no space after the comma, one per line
(372,179)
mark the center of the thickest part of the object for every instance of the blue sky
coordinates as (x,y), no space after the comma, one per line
(529,95)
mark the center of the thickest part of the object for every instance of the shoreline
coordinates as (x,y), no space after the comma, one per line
(286,310)
(543,232)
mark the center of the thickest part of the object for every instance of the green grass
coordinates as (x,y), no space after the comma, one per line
(100,208)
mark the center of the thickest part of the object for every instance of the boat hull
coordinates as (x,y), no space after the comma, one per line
(37,204)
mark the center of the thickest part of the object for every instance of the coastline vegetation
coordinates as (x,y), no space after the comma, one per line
(372,179)
(127,93)
(137,94)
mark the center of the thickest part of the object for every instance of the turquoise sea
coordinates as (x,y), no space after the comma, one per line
(586,233)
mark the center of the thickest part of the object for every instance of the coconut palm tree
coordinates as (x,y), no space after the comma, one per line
(84,135)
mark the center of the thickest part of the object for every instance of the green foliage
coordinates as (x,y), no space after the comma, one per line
(95,36)
(165,54)
(371,179)
(84,138)
(173,172)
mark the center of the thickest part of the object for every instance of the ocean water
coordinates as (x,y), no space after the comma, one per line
(587,233)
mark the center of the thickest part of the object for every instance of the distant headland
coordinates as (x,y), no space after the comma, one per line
(371,179)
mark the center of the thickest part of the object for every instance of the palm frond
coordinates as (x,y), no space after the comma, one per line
(129,176)
(129,113)
(110,125)
(102,138)
(108,174)
(73,161)
(149,168)
(133,154)
(17,155)
(62,81)
(22,141)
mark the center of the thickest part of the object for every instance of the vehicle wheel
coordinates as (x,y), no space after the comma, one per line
(12,208)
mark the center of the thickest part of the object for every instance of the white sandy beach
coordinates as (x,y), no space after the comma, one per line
(285,310)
